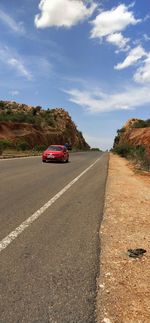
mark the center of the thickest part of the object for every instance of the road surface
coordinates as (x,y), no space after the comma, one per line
(50,216)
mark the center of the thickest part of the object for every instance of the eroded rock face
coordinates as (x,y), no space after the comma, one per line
(52,126)
(136,136)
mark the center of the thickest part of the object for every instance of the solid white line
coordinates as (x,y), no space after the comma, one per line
(23,157)
(14,234)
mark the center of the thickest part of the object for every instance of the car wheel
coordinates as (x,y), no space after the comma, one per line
(44,161)
(67,160)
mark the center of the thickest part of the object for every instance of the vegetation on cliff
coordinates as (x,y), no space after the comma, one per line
(25,127)
(133,142)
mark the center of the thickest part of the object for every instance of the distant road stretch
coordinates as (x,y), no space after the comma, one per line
(50,214)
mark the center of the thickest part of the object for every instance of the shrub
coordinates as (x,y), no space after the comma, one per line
(4,144)
(121,130)
(49,118)
(141,124)
(38,121)
(36,110)
(2,104)
(95,149)
(123,150)
(23,145)
(136,153)
(8,112)
(146,161)
(41,147)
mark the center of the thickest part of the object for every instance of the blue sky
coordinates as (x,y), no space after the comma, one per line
(91,58)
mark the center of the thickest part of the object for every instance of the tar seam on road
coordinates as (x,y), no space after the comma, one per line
(24,225)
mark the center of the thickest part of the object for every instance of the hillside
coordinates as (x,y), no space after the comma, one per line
(135,132)
(133,141)
(34,126)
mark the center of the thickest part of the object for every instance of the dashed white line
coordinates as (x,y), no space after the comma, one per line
(24,225)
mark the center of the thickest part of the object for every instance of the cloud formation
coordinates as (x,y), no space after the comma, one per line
(19,66)
(146,37)
(142,74)
(134,55)
(64,13)
(15,61)
(118,40)
(115,20)
(11,23)
(130,98)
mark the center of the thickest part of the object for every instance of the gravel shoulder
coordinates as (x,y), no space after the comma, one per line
(123,294)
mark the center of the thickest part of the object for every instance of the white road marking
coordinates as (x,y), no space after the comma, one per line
(24,225)
(23,157)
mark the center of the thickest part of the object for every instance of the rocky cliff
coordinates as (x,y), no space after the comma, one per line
(38,126)
(135,132)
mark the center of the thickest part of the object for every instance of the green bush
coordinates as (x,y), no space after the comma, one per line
(41,147)
(36,110)
(4,144)
(139,152)
(2,104)
(121,130)
(49,118)
(34,117)
(146,161)
(136,153)
(117,138)
(141,124)
(23,145)
(95,149)
(123,150)
(22,117)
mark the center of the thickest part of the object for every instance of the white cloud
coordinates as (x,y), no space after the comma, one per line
(19,66)
(146,37)
(64,13)
(15,61)
(147,17)
(115,20)
(142,74)
(134,55)
(118,40)
(130,98)
(11,23)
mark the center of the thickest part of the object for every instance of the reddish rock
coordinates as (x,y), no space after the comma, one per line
(134,136)
(61,131)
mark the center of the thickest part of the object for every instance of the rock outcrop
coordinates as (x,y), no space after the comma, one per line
(135,132)
(37,126)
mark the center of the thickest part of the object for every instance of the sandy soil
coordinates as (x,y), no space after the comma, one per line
(124,282)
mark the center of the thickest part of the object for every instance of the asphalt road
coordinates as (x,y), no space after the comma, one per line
(48,272)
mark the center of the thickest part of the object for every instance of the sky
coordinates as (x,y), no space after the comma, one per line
(90,57)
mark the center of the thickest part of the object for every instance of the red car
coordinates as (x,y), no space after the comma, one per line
(55,153)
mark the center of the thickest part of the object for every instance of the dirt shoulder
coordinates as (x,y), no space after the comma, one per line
(124,282)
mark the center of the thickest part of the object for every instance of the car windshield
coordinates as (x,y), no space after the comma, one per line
(54,148)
